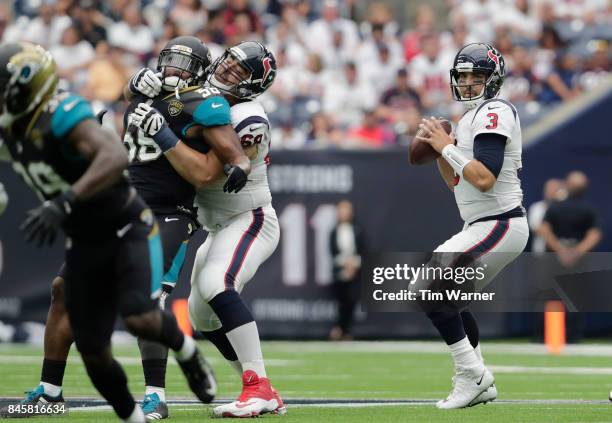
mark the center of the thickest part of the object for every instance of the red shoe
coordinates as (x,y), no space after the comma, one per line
(256,398)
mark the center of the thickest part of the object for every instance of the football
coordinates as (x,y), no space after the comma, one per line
(421,152)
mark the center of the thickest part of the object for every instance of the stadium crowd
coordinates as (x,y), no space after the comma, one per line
(348,74)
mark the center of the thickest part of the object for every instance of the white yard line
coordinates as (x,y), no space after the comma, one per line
(432,347)
(600,371)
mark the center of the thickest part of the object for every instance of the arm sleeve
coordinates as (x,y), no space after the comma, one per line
(69,113)
(489,150)
(494,117)
(214,111)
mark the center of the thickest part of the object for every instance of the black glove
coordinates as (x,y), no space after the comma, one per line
(236,178)
(43,222)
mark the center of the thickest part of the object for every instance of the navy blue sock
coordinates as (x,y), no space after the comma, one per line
(449,325)
(219,340)
(471,327)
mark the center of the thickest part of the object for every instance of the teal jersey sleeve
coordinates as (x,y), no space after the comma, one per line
(69,113)
(213,111)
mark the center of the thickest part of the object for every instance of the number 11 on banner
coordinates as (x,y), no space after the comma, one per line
(294,228)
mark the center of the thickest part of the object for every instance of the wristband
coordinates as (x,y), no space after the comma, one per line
(165,138)
(455,158)
(66,200)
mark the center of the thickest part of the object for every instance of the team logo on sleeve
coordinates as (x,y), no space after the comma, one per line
(175,108)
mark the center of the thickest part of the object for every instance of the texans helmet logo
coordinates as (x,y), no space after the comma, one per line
(493,57)
(268,71)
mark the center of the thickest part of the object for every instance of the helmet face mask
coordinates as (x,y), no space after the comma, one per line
(477,59)
(183,63)
(243,71)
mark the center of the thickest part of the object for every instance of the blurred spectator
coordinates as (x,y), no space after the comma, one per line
(322,132)
(72,55)
(346,96)
(597,66)
(332,32)
(429,74)
(91,22)
(131,33)
(400,105)
(518,17)
(424,24)
(520,82)
(239,18)
(562,82)
(381,69)
(554,190)
(45,29)
(188,16)
(544,56)
(371,132)
(346,245)
(107,75)
(571,227)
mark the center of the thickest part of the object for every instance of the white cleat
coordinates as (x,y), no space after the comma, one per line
(487,396)
(257,398)
(467,386)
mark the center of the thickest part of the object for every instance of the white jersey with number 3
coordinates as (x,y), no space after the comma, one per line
(494,116)
(215,207)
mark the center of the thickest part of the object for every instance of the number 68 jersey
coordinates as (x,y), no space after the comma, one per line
(215,207)
(493,116)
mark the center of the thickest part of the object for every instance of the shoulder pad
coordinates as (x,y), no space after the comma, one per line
(68,113)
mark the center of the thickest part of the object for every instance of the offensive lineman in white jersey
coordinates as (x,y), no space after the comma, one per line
(482,169)
(243,229)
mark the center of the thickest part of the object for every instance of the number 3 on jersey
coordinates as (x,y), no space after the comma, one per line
(493,117)
(140,147)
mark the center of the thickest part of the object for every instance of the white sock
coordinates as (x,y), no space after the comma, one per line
(187,350)
(245,340)
(137,415)
(479,353)
(236,366)
(161,392)
(50,389)
(464,355)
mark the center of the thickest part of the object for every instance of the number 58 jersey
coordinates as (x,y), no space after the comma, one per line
(494,116)
(215,207)
(157,182)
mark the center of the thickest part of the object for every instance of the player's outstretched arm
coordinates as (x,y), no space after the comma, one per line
(224,141)
(106,154)
(197,168)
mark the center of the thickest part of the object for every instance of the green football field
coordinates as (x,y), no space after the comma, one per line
(361,382)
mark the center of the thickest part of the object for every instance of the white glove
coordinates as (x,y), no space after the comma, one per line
(148,119)
(146,82)
(3,199)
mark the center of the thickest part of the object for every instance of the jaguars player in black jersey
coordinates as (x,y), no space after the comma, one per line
(196,114)
(113,260)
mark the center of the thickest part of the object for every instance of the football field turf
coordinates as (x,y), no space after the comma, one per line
(361,382)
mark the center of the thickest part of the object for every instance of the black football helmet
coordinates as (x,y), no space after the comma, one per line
(27,79)
(478,57)
(244,71)
(187,54)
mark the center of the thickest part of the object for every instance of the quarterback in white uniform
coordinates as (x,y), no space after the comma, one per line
(243,230)
(481,165)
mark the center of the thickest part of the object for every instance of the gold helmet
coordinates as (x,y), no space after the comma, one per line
(27,77)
